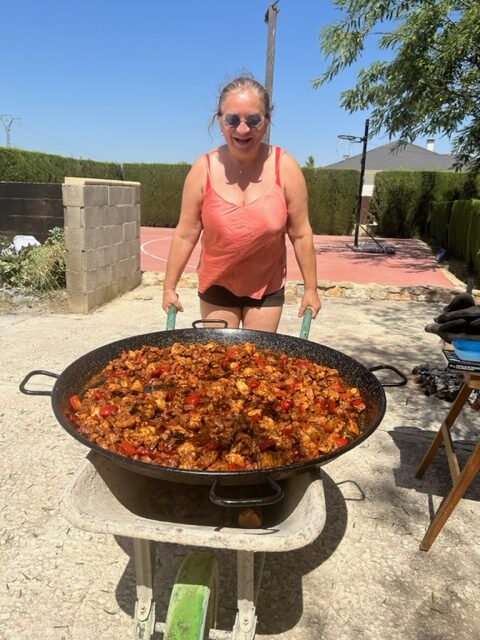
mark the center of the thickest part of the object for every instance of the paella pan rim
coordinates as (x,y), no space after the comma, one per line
(74,379)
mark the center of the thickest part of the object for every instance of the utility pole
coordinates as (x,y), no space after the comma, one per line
(7,121)
(271,20)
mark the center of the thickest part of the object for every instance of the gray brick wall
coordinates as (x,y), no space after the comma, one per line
(102,238)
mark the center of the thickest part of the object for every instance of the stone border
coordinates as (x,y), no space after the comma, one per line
(328,289)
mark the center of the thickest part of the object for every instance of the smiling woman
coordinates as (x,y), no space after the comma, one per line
(243,196)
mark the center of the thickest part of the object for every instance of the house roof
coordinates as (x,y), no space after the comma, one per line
(390,156)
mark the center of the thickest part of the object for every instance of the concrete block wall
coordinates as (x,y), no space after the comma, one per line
(30,208)
(102,239)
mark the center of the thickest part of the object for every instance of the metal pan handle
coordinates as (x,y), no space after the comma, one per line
(248,502)
(223,323)
(37,372)
(402,376)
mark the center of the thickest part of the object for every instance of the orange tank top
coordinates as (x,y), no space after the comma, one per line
(243,247)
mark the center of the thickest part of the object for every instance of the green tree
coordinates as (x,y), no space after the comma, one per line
(310,162)
(430,84)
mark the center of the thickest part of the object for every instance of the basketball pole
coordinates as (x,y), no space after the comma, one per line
(360,190)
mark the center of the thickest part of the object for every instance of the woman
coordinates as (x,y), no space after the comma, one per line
(243,196)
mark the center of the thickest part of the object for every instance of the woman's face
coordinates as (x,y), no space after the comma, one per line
(243,140)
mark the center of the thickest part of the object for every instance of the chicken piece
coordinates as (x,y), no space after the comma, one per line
(243,387)
(236,460)
(206,458)
(267,424)
(187,454)
(126,423)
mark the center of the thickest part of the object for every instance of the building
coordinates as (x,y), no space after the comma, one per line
(391,157)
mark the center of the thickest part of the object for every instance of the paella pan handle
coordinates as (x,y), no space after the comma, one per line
(248,502)
(402,376)
(306,322)
(32,392)
(171,317)
(223,323)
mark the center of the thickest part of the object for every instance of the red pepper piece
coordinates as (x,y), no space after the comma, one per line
(118,374)
(164,368)
(108,410)
(357,403)
(127,448)
(340,440)
(193,399)
(267,443)
(285,405)
(75,402)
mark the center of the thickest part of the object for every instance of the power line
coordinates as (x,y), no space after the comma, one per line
(7,121)
(54,142)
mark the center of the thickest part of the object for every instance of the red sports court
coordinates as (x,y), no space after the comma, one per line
(411,265)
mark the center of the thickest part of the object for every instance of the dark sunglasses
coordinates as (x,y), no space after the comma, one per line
(253,121)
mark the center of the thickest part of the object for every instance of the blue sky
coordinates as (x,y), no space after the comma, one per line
(138,82)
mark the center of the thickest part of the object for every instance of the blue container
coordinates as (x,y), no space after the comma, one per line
(467,349)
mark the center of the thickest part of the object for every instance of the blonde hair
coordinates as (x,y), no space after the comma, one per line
(244,83)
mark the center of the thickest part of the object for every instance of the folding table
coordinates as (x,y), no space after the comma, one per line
(461,478)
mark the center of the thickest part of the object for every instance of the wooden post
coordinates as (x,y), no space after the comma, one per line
(271,20)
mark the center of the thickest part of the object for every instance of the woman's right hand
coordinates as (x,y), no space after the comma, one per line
(170,297)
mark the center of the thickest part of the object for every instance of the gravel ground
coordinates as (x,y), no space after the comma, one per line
(364,577)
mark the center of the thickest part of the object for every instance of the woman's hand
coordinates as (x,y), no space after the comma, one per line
(170,297)
(310,300)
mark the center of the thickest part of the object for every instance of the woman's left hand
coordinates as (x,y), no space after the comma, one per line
(310,300)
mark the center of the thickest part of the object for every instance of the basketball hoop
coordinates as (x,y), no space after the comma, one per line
(350,138)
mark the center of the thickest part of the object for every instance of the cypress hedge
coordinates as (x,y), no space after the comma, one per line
(401,200)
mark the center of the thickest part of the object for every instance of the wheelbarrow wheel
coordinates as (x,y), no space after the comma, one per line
(192,610)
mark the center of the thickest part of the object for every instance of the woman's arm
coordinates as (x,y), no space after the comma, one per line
(186,233)
(300,231)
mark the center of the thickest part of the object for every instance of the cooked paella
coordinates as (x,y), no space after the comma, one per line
(217,407)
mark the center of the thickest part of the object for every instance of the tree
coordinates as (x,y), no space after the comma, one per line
(431,85)
(310,162)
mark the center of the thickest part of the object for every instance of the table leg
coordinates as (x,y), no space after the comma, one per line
(452,415)
(449,503)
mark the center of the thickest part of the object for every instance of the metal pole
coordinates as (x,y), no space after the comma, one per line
(271,20)
(7,123)
(362,174)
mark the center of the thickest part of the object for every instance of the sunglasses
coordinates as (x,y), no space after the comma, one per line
(253,121)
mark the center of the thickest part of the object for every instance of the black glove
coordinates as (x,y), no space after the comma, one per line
(460,301)
(471,313)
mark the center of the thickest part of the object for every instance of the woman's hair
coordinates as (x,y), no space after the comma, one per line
(245,83)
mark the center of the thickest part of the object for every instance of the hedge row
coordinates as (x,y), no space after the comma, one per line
(162,186)
(29,166)
(401,199)
(455,226)
(332,193)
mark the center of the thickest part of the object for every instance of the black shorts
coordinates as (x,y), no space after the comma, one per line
(222,297)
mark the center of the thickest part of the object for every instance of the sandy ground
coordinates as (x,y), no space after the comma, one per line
(364,577)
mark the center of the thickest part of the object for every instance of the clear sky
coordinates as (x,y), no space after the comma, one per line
(138,82)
